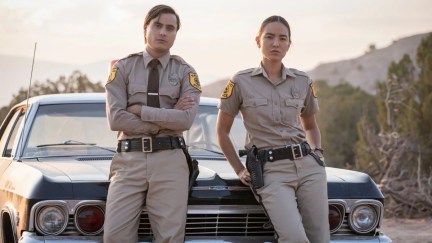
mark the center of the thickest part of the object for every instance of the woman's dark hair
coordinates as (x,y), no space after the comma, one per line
(156,11)
(272,19)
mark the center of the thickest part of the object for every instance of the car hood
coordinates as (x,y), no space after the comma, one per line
(209,168)
(342,183)
(97,169)
(74,170)
(215,175)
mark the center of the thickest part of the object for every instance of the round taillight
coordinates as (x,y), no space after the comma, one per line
(89,219)
(335,218)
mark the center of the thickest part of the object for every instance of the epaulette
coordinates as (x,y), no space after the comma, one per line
(131,55)
(135,54)
(179,59)
(249,70)
(298,72)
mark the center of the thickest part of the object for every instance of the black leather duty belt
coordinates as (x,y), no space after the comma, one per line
(292,152)
(150,144)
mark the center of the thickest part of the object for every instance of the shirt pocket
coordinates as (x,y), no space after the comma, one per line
(169,95)
(137,94)
(291,110)
(256,108)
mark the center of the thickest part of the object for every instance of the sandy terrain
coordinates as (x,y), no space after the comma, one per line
(408,230)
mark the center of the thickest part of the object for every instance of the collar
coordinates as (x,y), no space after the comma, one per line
(260,70)
(163,59)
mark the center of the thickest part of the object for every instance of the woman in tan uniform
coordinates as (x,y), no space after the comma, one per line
(278,107)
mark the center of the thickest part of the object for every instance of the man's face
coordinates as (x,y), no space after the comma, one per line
(161,33)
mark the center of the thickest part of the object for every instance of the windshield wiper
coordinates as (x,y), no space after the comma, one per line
(73,142)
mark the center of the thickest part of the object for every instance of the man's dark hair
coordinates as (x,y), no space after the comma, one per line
(156,11)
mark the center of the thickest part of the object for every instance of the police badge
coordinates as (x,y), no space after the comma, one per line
(173,79)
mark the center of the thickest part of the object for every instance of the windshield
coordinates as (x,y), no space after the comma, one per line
(82,129)
(201,138)
(70,130)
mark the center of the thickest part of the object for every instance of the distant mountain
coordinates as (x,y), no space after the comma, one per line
(15,73)
(362,72)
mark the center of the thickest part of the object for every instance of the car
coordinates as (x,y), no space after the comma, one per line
(56,152)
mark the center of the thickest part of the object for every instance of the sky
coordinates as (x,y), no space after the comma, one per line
(217,37)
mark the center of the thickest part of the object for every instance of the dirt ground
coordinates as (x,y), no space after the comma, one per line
(408,230)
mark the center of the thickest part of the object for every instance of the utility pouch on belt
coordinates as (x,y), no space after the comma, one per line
(193,168)
(255,168)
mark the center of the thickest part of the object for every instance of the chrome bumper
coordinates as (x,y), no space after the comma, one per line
(29,237)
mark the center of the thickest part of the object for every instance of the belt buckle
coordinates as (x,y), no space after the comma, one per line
(147,145)
(296,151)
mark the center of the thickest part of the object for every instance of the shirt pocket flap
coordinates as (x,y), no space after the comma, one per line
(133,89)
(297,103)
(255,102)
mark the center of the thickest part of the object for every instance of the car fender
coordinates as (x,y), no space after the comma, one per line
(13,217)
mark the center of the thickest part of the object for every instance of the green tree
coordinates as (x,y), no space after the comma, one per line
(77,82)
(398,153)
(341,108)
(423,98)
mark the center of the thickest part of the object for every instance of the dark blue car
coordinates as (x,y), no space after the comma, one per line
(56,152)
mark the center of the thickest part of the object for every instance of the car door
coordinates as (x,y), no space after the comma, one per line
(9,134)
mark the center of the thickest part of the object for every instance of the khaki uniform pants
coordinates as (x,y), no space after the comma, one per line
(295,198)
(158,181)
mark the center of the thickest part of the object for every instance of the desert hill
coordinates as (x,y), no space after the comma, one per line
(362,71)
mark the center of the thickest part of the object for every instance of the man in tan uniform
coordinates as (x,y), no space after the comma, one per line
(152,97)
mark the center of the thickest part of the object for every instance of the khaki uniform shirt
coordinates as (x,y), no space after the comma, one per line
(127,85)
(270,111)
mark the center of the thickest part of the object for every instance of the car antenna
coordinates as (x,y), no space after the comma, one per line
(27,102)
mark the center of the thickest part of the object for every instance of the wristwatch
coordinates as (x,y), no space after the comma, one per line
(319,149)
(322,153)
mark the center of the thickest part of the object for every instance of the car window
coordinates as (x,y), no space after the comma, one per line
(70,129)
(201,138)
(10,133)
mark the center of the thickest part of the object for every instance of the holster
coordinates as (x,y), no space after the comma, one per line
(193,168)
(318,160)
(255,168)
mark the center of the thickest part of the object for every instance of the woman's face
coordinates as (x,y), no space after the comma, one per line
(274,41)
